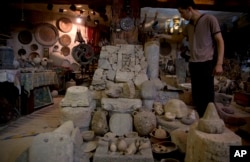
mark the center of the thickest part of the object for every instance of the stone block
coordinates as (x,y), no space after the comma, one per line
(51,147)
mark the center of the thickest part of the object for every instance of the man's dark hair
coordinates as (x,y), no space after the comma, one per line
(184,4)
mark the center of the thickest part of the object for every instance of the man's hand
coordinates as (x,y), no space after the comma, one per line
(218,70)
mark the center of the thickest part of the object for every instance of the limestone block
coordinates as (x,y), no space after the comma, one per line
(98,74)
(104,54)
(111,75)
(77,137)
(121,123)
(179,137)
(139,79)
(111,49)
(124,76)
(76,96)
(51,147)
(81,116)
(152,53)
(104,64)
(121,104)
(210,147)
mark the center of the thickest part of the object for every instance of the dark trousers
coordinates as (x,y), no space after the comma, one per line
(202,81)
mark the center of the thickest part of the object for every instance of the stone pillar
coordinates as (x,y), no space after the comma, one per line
(152,53)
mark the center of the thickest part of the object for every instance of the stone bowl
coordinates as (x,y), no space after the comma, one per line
(88,135)
(155,139)
(166,149)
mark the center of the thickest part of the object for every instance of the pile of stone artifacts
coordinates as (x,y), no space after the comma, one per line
(125,112)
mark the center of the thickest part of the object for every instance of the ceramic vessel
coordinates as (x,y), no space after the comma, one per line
(37,60)
(169,116)
(160,133)
(99,123)
(88,135)
(112,147)
(121,145)
(144,121)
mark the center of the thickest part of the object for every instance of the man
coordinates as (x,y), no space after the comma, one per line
(203,35)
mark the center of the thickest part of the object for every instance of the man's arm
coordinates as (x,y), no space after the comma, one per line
(172,38)
(220,51)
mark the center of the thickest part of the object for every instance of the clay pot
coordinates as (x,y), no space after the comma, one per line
(37,60)
(99,123)
(144,121)
(121,145)
(160,133)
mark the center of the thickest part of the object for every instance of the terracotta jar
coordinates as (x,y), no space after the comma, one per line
(144,121)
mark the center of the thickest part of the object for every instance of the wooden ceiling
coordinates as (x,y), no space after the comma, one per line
(218,5)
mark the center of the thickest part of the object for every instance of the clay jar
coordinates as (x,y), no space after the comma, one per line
(144,121)
(99,122)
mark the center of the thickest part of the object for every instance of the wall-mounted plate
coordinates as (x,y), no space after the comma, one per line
(46,34)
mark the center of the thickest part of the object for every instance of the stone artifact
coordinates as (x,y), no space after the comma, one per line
(152,53)
(121,145)
(99,122)
(62,145)
(160,133)
(210,138)
(131,149)
(177,107)
(144,121)
(88,135)
(149,91)
(169,116)
(112,147)
(189,119)
(158,108)
(211,122)
(76,96)
(124,150)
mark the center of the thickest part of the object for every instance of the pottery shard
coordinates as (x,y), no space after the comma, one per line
(76,96)
(211,122)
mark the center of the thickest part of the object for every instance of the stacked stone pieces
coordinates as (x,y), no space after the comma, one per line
(120,64)
(77,105)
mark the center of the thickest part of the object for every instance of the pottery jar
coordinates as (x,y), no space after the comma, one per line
(160,133)
(144,121)
(99,123)
(122,145)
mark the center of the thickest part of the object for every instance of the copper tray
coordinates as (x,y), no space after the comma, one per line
(64,24)
(65,51)
(46,34)
(25,36)
(65,40)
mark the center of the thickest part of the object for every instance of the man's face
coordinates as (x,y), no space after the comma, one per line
(185,13)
